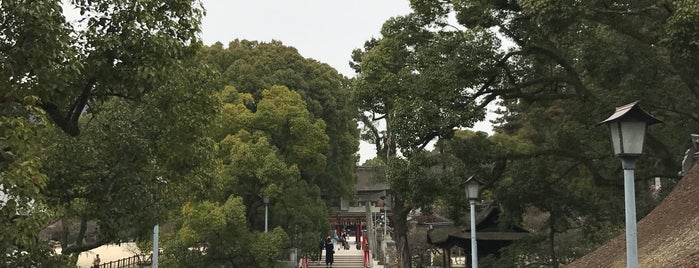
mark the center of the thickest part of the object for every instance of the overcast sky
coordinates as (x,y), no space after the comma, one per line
(325,30)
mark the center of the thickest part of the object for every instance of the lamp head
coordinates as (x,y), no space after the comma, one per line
(627,129)
(473,185)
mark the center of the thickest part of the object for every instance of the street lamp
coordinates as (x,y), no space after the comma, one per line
(627,127)
(473,185)
(159,182)
(266,200)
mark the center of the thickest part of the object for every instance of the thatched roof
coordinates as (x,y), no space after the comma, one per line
(667,237)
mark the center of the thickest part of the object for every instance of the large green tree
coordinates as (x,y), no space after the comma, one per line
(115,49)
(569,64)
(414,80)
(252,66)
(56,71)
(130,156)
(260,154)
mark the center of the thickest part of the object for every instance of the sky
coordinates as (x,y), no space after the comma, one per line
(324,30)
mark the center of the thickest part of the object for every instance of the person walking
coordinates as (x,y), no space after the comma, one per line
(329,252)
(322,246)
(96,262)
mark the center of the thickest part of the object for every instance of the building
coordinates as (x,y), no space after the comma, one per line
(372,190)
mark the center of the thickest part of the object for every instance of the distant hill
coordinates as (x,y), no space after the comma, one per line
(667,237)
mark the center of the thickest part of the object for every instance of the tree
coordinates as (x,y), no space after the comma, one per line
(116,49)
(570,63)
(22,209)
(252,66)
(260,153)
(131,155)
(216,234)
(416,80)
(56,69)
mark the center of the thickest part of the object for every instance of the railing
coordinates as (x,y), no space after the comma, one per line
(130,262)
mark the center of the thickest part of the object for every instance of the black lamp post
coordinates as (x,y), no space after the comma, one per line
(473,185)
(627,128)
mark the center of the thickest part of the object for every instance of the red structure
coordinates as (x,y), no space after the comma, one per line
(350,215)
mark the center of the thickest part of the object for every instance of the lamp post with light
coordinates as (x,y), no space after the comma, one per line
(627,128)
(473,185)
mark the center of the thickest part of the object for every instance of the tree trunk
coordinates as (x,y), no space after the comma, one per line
(400,221)
(552,244)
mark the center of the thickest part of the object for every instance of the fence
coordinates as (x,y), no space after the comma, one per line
(130,262)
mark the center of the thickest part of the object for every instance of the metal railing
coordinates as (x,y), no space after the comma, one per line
(140,260)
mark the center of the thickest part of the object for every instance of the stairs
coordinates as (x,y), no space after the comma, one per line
(351,258)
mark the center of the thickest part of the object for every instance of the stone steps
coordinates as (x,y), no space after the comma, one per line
(342,259)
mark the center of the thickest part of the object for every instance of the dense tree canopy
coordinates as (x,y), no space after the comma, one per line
(252,66)
(415,80)
(285,132)
(116,62)
(128,156)
(569,65)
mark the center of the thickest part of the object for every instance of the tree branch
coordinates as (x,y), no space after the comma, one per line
(587,162)
(372,129)
(84,247)
(573,76)
(69,122)
(638,11)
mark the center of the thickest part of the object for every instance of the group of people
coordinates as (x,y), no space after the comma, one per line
(343,241)
(329,244)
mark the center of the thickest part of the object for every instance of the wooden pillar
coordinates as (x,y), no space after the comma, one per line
(448,263)
(444,257)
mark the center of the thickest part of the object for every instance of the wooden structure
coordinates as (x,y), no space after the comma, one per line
(490,237)
(351,215)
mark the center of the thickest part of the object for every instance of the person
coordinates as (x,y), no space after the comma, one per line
(96,262)
(329,252)
(336,238)
(345,243)
(304,262)
(322,246)
(339,246)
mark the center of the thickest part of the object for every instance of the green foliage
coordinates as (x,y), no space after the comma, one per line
(252,67)
(417,79)
(261,153)
(267,248)
(36,255)
(22,210)
(414,179)
(569,64)
(124,170)
(121,73)
(119,48)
